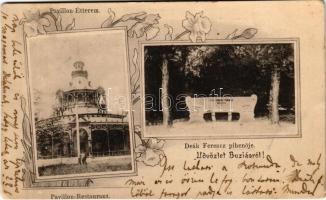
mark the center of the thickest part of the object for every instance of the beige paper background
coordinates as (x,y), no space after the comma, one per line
(288,19)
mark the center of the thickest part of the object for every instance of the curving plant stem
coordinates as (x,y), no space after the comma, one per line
(143,141)
(120,20)
(181,34)
(116,22)
(50,14)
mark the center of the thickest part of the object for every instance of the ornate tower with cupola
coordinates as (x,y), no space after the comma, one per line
(81,124)
(80,96)
(79,77)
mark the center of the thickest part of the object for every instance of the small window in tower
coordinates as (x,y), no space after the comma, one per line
(80,97)
(79,82)
(70,98)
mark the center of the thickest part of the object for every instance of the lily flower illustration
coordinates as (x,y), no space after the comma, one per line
(198,26)
(34,23)
(150,153)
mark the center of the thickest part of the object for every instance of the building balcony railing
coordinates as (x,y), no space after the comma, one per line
(57,120)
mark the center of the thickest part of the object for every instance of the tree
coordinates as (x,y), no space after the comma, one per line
(165,91)
(36,102)
(48,133)
(198,62)
(272,59)
(169,54)
(190,60)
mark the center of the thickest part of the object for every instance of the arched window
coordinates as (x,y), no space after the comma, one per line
(83,142)
(119,143)
(70,99)
(100,145)
(91,97)
(80,97)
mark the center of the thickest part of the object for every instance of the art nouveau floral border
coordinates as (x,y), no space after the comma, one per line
(140,26)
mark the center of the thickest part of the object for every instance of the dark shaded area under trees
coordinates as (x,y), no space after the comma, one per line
(266,70)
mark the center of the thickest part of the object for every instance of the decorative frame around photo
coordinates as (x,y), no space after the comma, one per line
(29,124)
(294,41)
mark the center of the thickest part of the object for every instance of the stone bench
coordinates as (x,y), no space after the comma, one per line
(199,106)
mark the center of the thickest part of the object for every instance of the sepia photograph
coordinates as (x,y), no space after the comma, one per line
(234,89)
(80,98)
(163,100)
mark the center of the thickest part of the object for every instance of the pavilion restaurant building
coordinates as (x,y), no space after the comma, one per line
(81,124)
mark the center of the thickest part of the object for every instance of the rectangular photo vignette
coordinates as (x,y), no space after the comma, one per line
(221,89)
(80,104)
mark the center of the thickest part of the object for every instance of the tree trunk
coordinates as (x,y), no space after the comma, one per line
(274,95)
(165,92)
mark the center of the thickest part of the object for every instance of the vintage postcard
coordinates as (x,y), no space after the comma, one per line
(163,100)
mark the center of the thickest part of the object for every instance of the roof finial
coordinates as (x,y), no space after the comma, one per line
(79,65)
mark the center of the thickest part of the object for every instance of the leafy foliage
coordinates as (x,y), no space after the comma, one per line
(139,24)
(268,56)
(48,134)
(240,69)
